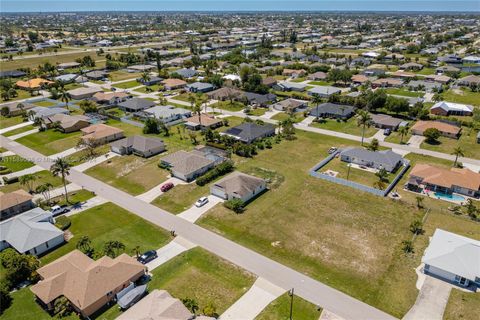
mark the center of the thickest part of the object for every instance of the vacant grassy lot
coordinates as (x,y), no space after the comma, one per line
(45,103)
(131,173)
(204,277)
(467,141)
(19,130)
(181,197)
(395,137)
(74,197)
(350,126)
(110,222)
(41,178)
(462,305)
(279,309)
(53,59)
(466,97)
(120,75)
(50,141)
(297,117)
(21,94)
(6,122)
(227,105)
(258,112)
(15,163)
(127,84)
(184,96)
(406,93)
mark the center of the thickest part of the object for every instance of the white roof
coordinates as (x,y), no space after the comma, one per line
(450,106)
(454,253)
(232,77)
(371,54)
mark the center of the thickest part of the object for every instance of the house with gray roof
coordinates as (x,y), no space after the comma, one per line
(187,166)
(44,112)
(324,91)
(96,75)
(238,185)
(453,258)
(290,105)
(333,111)
(168,113)
(185,73)
(138,145)
(386,159)
(248,132)
(136,104)
(385,121)
(289,86)
(260,100)
(200,87)
(31,232)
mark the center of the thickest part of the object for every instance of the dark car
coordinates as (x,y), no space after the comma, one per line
(147,256)
(167,186)
(387,131)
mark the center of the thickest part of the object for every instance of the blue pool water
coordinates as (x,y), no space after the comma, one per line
(449,197)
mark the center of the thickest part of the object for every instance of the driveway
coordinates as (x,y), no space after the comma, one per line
(415,141)
(93,162)
(155,192)
(169,251)
(379,135)
(260,295)
(193,213)
(431,300)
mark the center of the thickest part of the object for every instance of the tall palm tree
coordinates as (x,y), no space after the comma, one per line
(316,100)
(192,99)
(403,131)
(65,97)
(61,167)
(365,120)
(28,180)
(457,152)
(198,110)
(145,77)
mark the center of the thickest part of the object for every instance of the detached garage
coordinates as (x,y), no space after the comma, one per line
(238,185)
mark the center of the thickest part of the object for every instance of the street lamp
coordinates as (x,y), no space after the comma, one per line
(290,293)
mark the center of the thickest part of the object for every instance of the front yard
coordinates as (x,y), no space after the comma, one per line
(467,141)
(15,163)
(50,141)
(350,127)
(280,309)
(229,106)
(181,197)
(6,122)
(465,96)
(127,84)
(19,130)
(41,178)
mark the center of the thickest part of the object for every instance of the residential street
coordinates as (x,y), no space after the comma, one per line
(274,272)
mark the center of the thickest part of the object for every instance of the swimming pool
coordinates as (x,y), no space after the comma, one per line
(449,197)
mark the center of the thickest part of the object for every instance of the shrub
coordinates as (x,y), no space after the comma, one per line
(5,171)
(218,171)
(10,180)
(63,222)
(236,205)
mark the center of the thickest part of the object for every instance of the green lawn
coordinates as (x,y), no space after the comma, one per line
(395,137)
(144,88)
(467,141)
(184,96)
(333,234)
(321,83)
(298,116)
(74,197)
(110,222)
(21,94)
(279,309)
(53,59)
(130,173)
(50,141)
(45,103)
(226,105)
(181,197)
(19,130)
(6,122)
(467,97)
(350,126)
(406,93)
(426,71)
(120,75)
(41,178)
(15,163)
(462,305)
(258,112)
(127,84)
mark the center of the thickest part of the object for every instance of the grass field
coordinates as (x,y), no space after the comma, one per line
(130,173)
(53,59)
(182,197)
(74,197)
(462,305)
(279,309)
(120,75)
(50,141)
(127,84)
(467,97)
(321,83)
(350,126)
(110,222)
(45,103)
(19,130)
(21,94)
(467,141)
(144,88)
(395,137)
(406,93)
(15,163)
(41,178)
(226,105)
(297,117)
(6,122)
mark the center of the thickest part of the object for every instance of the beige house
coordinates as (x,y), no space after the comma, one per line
(101,133)
(86,283)
(172,84)
(67,123)
(14,203)
(447,130)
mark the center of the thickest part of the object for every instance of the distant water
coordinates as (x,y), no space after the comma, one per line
(469,6)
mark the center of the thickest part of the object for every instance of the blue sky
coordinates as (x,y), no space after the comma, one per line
(238,5)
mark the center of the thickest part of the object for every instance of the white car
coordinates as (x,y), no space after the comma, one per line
(56,210)
(201,202)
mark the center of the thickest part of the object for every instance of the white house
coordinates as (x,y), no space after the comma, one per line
(453,257)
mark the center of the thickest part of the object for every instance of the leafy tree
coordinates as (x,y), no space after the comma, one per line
(112,248)
(84,244)
(472,210)
(61,167)
(407,246)
(403,131)
(416,227)
(382,174)
(5,112)
(151,126)
(287,128)
(19,267)
(90,145)
(236,205)
(5,298)
(431,134)
(373,146)
(88,106)
(397,105)
(45,189)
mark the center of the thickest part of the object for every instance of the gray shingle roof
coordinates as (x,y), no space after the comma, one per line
(333,108)
(249,131)
(139,143)
(386,158)
(137,104)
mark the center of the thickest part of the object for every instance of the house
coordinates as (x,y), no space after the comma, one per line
(200,87)
(424,85)
(469,81)
(33,84)
(187,166)
(87,284)
(442,79)
(185,73)
(172,84)
(66,78)
(290,86)
(443,108)
(269,81)
(96,75)
(333,111)
(68,65)
(446,129)
(135,104)
(447,69)
(259,100)
(12,74)
(411,66)
(386,159)
(317,76)
(290,105)
(67,123)
(403,74)
(167,113)
(385,121)
(44,112)
(294,73)
(323,91)
(140,68)
(31,232)
(101,133)
(110,98)
(14,203)
(359,79)
(205,121)
(152,80)
(248,132)
(83,92)
(238,185)
(453,258)
(17,108)
(225,93)
(447,181)
(138,145)
(387,82)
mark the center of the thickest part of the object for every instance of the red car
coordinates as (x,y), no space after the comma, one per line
(167,186)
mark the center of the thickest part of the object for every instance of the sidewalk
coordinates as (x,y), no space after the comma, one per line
(17,126)
(93,162)
(23,134)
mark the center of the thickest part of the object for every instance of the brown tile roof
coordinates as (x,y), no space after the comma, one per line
(82,280)
(174,82)
(359,78)
(32,83)
(207,120)
(421,126)
(99,131)
(447,178)
(8,200)
(107,96)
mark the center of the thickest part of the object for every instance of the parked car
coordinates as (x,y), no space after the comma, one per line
(201,202)
(332,150)
(167,186)
(387,132)
(147,256)
(56,210)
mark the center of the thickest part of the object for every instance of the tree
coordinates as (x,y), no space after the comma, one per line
(316,100)
(62,307)
(136,251)
(373,146)
(403,131)
(19,267)
(382,175)
(90,145)
(457,152)
(28,180)
(88,106)
(419,200)
(397,105)
(61,167)
(407,246)
(65,97)
(151,126)
(416,227)
(198,110)
(471,209)
(145,77)
(190,304)
(112,248)
(5,298)
(236,205)
(431,135)
(364,120)
(45,189)
(287,128)
(193,137)
(84,244)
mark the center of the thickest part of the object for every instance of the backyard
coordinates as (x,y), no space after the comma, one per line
(50,141)
(465,96)
(350,127)
(279,309)
(406,93)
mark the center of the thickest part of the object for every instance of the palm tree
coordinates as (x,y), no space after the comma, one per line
(84,244)
(457,152)
(198,110)
(45,189)
(403,131)
(136,250)
(365,120)
(316,100)
(145,77)
(28,180)
(61,167)
(65,97)
(192,99)
(112,248)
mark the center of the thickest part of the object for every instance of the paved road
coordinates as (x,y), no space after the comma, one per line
(274,272)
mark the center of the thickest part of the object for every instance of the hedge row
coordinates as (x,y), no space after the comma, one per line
(218,171)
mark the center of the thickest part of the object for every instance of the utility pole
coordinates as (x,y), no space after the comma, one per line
(348,172)
(290,293)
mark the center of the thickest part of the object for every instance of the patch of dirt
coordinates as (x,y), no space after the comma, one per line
(129,167)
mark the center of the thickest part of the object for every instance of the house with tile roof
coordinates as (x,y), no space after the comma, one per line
(444,108)
(446,129)
(101,133)
(14,203)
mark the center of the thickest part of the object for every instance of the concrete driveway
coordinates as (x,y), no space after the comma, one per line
(155,192)
(415,141)
(169,251)
(193,213)
(431,300)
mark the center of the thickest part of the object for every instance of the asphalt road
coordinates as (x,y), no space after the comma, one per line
(274,272)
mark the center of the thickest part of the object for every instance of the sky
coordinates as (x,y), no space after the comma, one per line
(238,5)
